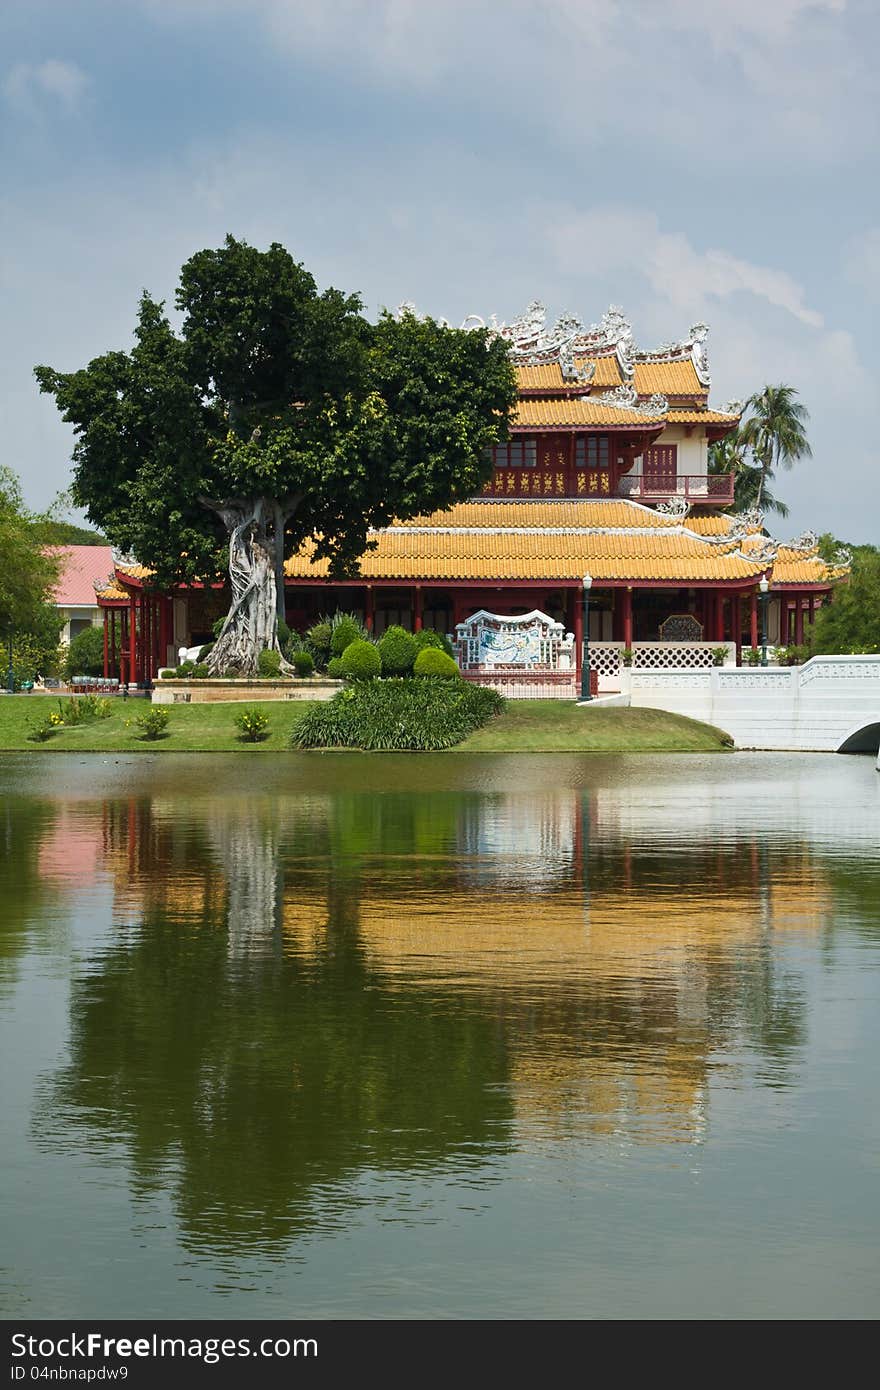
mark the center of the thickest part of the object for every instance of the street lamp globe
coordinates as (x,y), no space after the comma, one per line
(588,581)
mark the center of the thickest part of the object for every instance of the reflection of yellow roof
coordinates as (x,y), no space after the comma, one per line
(455,553)
(573,413)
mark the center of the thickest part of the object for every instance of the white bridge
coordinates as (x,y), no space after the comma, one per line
(831,704)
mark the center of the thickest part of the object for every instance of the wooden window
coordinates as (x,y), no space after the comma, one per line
(592,451)
(519,453)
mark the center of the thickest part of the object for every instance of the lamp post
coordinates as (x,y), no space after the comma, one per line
(10,673)
(764,587)
(585,659)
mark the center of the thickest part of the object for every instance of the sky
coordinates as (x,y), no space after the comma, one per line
(695,160)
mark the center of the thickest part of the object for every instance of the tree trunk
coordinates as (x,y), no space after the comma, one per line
(256,557)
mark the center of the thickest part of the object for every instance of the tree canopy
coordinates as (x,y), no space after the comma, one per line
(27,573)
(284,401)
(850,623)
(772,432)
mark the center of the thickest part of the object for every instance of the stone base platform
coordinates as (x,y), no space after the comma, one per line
(206,692)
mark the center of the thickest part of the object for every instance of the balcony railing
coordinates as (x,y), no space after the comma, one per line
(713,489)
(716,490)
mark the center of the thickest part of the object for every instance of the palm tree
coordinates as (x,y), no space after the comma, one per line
(775,433)
(750,489)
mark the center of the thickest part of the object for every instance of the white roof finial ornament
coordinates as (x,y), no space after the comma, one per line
(699,352)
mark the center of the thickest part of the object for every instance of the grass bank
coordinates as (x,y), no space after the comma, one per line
(555,726)
(527,726)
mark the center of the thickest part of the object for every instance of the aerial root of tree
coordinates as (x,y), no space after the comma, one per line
(256,531)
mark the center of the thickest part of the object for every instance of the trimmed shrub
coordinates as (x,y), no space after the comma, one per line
(430,637)
(204,652)
(184,670)
(320,635)
(199,672)
(85,654)
(253,725)
(398,714)
(154,723)
(284,634)
(335,668)
(303,663)
(361,661)
(269,663)
(397,651)
(346,629)
(433,662)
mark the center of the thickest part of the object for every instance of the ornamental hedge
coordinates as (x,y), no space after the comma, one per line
(433,662)
(399,714)
(397,650)
(361,661)
(429,637)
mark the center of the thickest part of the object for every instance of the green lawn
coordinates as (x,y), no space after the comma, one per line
(527,726)
(193,728)
(558,726)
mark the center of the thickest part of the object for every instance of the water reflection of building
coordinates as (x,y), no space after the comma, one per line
(610,981)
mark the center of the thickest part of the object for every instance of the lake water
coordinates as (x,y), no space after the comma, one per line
(447,1036)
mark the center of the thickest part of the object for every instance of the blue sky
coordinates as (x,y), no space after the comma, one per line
(690,160)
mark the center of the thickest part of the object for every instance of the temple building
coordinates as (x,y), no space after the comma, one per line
(607,475)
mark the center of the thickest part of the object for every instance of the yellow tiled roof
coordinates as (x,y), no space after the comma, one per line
(708,524)
(700,417)
(567,413)
(548,376)
(496,556)
(669,378)
(614,513)
(111,591)
(798,567)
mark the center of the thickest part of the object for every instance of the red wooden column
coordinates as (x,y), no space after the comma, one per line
(627,617)
(106,643)
(753,618)
(370,609)
(812,609)
(417,609)
(736,623)
(578,633)
(799,620)
(133,644)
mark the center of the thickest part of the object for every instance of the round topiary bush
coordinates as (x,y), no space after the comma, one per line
(345,631)
(430,637)
(269,663)
(199,672)
(397,651)
(361,661)
(433,662)
(303,664)
(204,651)
(335,668)
(184,670)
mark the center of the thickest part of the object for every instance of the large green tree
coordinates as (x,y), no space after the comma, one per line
(27,573)
(850,623)
(775,431)
(275,415)
(732,455)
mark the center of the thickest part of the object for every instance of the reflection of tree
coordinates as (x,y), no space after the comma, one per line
(26,825)
(319,985)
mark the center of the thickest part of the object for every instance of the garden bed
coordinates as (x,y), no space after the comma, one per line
(217,690)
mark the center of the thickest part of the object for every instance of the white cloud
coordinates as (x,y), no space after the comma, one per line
(630,242)
(862,261)
(27,85)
